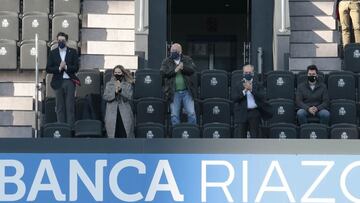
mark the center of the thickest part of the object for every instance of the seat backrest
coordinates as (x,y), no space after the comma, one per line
(28,52)
(9,25)
(30,6)
(150,130)
(214,84)
(216,130)
(216,111)
(148,83)
(10,5)
(341,85)
(57,130)
(185,130)
(314,131)
(280,84)
(67,23)
(283,131)
(90,83)
(351,57)
(50,113)
(343,111)
(344,131)
(72,6)
(150,110)
(88,128)
(283,111)
(8,54)
(35,23)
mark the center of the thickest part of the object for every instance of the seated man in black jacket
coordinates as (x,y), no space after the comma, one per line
(312,98)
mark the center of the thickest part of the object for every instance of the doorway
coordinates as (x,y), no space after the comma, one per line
(216,34)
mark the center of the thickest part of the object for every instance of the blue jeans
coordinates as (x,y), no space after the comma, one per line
(186,99)
(323,115)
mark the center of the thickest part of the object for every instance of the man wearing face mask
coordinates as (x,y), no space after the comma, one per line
(312,98)
(63,64)
(178,88)
(250,105)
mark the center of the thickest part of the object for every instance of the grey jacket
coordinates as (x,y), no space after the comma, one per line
(122,103)
(305,97)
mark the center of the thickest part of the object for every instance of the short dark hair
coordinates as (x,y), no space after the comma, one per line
(312,67)
(62,34)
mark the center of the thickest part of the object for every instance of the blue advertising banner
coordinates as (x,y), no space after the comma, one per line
(190,178)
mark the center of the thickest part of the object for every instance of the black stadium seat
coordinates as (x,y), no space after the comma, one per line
(185,130)
(343,111)
(216,130)
(35,23)
(72,6)
(283,131)
(10,5)
(216,110)
(283,111)
(214,84)
(9,25)
(30,6)
(280,84)
(27,54)
(150,130)
(314,131)
(57,130)
(67,23)
(90,82)
(148,83)
(344,131)
(88,128)
(341,85)
(8,54)
(150,110)
(50,112)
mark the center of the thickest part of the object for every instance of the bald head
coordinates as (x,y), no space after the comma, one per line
(176,48)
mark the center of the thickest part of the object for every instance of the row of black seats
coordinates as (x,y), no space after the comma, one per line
(44,6)
(38,23)
(93,128)
(216,84)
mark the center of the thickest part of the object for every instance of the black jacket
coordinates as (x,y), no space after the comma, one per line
(53,63)
(168,73)
(305,97)
(240,102)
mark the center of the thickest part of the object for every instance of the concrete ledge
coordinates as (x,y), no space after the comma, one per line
(324,64)
(107,35)
(311,8)
(108,62)
(17,118)
(315,36)
(313,23)
(16,103)
(108,48)
(108,21)
(109,7)
(16,132)
(314,50)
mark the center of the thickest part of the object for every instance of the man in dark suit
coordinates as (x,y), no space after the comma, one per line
(250,105)
(63,64)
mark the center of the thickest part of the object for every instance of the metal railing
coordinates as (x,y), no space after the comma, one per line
(283,17)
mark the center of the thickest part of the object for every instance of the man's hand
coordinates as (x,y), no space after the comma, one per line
(62,65)
(179,67)
(312,110)
(247,86)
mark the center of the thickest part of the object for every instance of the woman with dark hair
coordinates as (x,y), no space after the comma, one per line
(119,118)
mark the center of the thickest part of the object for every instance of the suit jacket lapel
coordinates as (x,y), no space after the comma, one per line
(67,54)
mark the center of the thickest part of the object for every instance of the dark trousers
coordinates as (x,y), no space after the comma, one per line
(120,131)
(65,102)
(252,124)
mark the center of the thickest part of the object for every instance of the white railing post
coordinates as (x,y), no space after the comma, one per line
(141,16)
(37,87)
(283,17)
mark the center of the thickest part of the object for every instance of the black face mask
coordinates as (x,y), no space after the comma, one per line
(174,55)
(119,77)
(248,76)
(61,44)
(312,78)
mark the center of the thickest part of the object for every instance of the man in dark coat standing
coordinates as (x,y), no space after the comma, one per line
(250,105)
(63,64)
(176,71)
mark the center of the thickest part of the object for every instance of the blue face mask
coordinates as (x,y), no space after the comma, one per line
(248,76)
(61,44)
(174,55)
